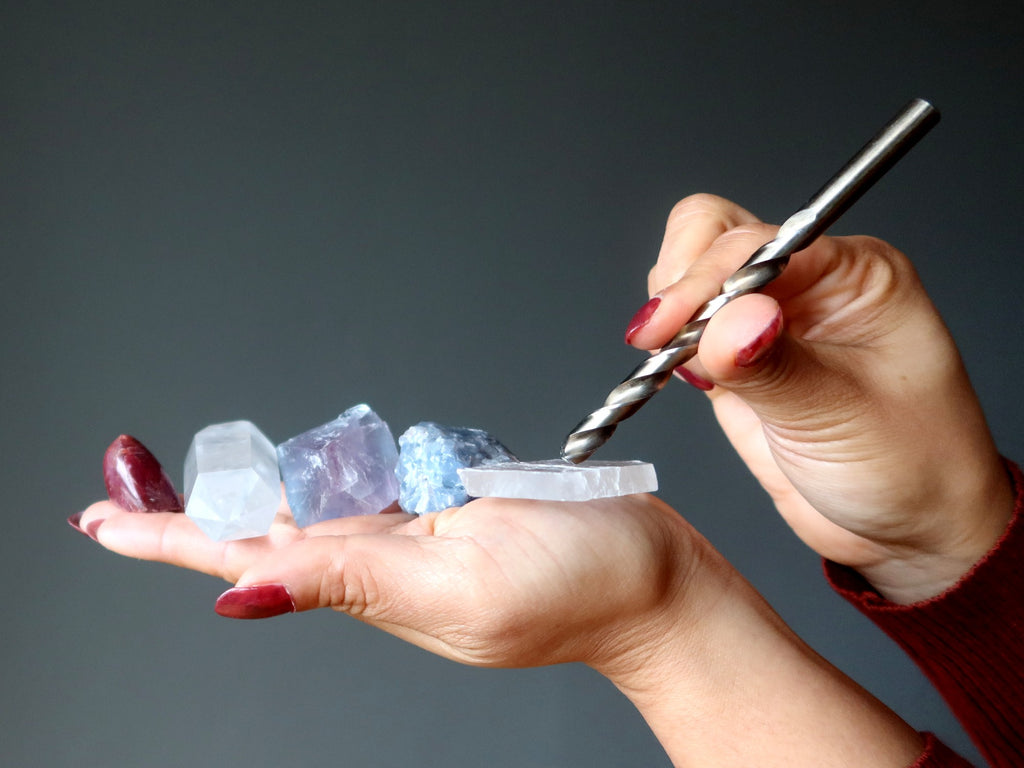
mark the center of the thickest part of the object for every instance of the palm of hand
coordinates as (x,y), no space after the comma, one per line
(493,583)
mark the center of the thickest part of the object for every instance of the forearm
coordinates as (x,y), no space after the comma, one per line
(729,684)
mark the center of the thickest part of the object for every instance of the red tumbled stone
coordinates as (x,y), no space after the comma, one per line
(135,480)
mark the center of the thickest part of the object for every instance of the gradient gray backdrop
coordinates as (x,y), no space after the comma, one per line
(274,211)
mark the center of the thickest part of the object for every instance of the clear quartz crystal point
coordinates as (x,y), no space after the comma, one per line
(342,468)
(232,483)
(560,480)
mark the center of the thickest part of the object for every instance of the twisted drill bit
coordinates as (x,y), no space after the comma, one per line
(766,264)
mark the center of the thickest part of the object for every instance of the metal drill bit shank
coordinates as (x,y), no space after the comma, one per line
(767,263)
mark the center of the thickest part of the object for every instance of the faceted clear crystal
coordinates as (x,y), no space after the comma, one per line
(560,480)
(430,457)
(342,468)
(232,484)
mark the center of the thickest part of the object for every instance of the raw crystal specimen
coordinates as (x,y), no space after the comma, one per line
(429,463)
(232,484)
(560,480)
(135,480)
(342,468)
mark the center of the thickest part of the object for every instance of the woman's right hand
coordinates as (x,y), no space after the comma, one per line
(842,390)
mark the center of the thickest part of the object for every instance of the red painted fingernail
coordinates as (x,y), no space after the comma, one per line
(692,378)
(257,602)
(75,522)
(641,318)
(135,480)
(759,347)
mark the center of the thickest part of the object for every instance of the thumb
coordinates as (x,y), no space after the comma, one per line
(371,577)
(421,589)
(745,350)
(395,582)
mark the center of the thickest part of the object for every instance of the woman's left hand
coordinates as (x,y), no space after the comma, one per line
(479,584)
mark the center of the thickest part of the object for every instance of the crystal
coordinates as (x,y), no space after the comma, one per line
(232,484)
(560,480)
(135,480)
(430,459)
(342,468)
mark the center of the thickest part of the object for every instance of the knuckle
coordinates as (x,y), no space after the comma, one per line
(885,254)
(701,204)
(351,589)
(743,235)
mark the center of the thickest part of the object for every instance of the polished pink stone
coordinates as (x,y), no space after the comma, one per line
(135,480)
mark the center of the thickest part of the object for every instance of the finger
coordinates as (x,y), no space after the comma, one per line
(693,225)
(676,304)
(401,584)
(789,386)
(173,538)
(384,522)
(366,576)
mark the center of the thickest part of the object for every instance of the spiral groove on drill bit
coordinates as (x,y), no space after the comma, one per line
(766,264)
(652,374)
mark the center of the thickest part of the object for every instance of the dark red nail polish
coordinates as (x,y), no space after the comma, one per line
(693,379)
(135,480)
(257,602)
(75,520)
(759,347)
(641,318)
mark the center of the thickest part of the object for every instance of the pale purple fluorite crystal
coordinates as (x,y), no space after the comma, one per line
(342,468)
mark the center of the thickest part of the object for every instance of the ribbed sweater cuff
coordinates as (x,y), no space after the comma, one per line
(969,640)
(938,755)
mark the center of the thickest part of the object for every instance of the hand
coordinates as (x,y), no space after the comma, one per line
(481,584)
(855,413)
(624,585)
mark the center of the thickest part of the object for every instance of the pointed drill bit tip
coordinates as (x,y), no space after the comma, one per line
(576,457)
(580,445)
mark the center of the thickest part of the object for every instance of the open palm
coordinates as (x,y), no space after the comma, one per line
(494,583)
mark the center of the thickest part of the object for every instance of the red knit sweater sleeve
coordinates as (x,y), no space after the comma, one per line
(969,640)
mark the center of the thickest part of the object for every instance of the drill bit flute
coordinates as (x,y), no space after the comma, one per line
(767,263)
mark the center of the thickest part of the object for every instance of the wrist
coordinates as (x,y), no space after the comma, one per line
(975,512)
(721,680)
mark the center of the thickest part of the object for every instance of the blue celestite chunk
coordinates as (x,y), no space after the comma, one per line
(342,468)
(429,459)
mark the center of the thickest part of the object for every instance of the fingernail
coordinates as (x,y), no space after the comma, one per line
(641,318)
(135,480)
(257,602)
(759,347)
(75,521)
(692,378)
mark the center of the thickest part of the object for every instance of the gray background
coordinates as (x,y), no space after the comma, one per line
(274,211)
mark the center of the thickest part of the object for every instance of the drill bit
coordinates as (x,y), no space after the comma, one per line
(767,263)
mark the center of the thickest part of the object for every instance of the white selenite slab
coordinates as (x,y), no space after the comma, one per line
(560,480)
